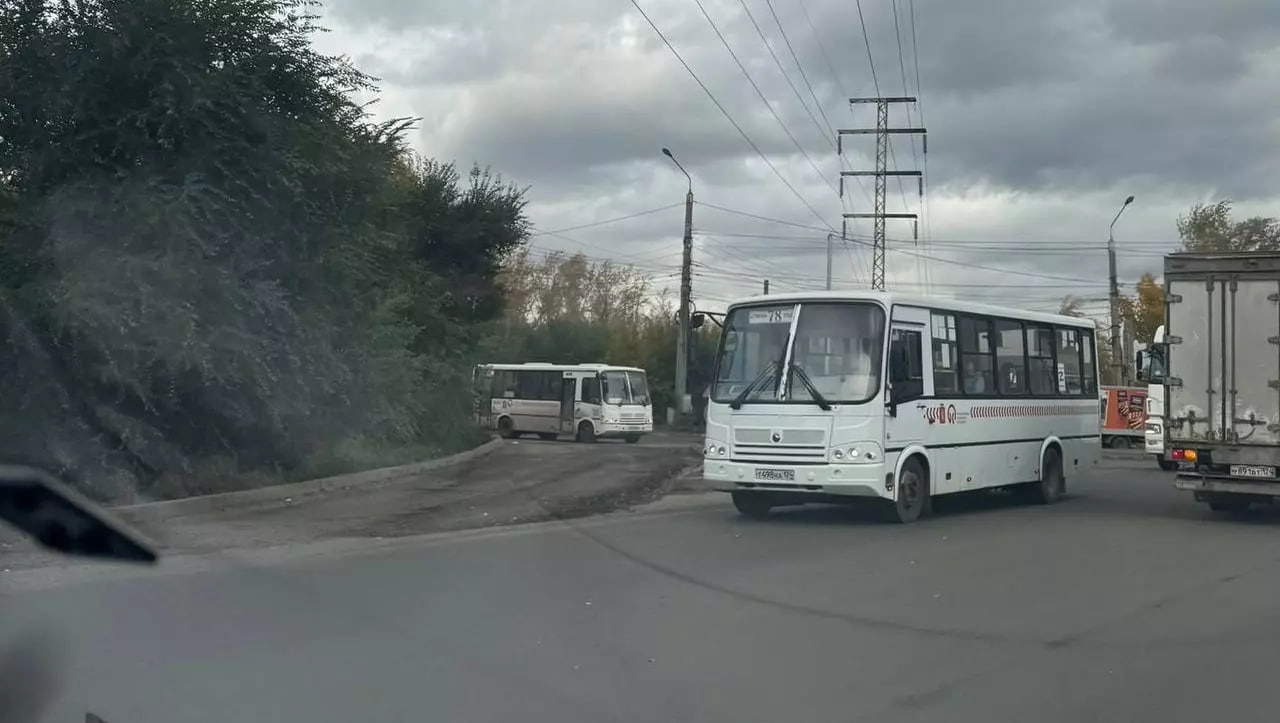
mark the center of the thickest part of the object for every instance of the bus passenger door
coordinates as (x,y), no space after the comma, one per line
(911,379)
(568,400)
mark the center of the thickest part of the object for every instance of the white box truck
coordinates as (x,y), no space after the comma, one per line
(1222,409)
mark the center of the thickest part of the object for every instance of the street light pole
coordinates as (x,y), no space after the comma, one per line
(686,289)
(1117,360)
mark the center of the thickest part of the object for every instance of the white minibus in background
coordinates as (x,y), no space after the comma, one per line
(839,396)
(587,401)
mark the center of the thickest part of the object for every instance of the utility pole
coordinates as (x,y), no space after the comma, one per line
(882,131)
(686,291)
(766,287)
(1118,367)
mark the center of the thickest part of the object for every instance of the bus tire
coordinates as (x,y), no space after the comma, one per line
(586,432)
(752,504)
(912,498)
(1052,485)
(632,438)
(506,429)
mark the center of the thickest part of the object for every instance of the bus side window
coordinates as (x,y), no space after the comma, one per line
(1040,371)
(1010,362)
(945,379)
(1089,372)
(591,390)
(977,355)
(1069,364)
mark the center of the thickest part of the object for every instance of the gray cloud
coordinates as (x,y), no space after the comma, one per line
(1041,117)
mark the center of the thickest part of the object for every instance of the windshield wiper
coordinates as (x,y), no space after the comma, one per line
(803,376)
(742,396)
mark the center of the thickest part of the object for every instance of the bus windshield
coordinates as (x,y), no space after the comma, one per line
(837,349)
(625,387)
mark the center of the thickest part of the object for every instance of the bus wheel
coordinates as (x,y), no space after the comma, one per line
(586,432)
(913,493)
(1052,484)
(752,504)
(632,438)
(506,429)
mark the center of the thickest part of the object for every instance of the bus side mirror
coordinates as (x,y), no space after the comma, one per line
(1137,366)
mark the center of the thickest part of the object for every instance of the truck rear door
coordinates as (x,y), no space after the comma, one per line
(1223,324)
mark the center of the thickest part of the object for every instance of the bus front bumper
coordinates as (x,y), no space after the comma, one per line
(802,481)
(622,429)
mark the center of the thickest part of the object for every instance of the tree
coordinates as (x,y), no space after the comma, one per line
(1211,228)
(569,308)
(1070,306)
(208,249)
(1144,311)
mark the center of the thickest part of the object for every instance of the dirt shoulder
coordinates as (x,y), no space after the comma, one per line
(520,481)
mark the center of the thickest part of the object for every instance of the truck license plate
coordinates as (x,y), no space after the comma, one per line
(1251,470)
(775,474)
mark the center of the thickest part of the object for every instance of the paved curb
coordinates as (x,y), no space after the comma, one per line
(295,490)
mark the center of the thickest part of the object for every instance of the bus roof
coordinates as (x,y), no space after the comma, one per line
(888,298)
(545,366)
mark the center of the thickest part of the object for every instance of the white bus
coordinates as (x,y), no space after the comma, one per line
(584,400)
(836,396)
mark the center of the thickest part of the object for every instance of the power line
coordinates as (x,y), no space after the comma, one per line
(729,117)
(915,62)
(763,98)
(875,80)
(606,221)
(826,56)
(824,133)
(817,104)
(760,218)
(900,251)
(911,141)
(800,67)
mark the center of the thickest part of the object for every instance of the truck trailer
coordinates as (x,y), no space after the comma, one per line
(1124,416)
(1222,380)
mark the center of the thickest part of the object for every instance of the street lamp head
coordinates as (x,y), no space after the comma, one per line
(1127,201)
(667,152)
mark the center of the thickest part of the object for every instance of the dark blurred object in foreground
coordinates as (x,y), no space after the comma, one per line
(62,520)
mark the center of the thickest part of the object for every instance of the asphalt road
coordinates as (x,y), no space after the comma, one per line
(1126,602)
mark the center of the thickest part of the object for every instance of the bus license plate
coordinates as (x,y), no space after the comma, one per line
(787,475)
(1251,470)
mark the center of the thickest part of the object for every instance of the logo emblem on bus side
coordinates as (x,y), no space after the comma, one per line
(777,437)
(941,414)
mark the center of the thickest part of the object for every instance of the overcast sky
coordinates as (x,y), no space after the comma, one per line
(1042,117)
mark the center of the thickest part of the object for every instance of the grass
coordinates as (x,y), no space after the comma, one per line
(221,474)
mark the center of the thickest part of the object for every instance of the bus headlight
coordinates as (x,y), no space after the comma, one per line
(714,450)
(857,453)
